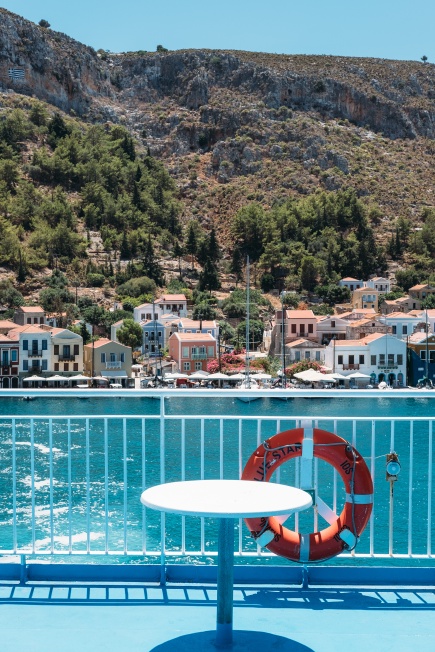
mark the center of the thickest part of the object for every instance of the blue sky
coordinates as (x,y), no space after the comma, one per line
(389,29)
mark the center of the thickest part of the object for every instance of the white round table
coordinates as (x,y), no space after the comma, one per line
(227,500)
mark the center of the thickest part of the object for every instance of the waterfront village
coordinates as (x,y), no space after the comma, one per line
(369,342)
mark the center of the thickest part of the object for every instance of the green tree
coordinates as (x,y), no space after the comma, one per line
(406,278)
(309,273)
(178,252)
(130,334)
(209,277)
(191,241)
(248,230)
(150,264)
(429,302)
(256,329)
(236,266)
(44,23)
(9,295)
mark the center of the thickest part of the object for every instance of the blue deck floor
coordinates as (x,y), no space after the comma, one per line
(71,617)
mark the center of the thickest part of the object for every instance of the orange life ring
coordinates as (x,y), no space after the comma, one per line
(344,530)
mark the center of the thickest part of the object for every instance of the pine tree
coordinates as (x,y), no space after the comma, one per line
(177,252)
(214,252)
(237,264)
(22,271)
(150,265)
(125,247)
(192,242)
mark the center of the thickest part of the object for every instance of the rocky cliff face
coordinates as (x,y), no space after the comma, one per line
(395,98)
(290,124)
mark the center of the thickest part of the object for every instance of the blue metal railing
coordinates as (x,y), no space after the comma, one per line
(71,484)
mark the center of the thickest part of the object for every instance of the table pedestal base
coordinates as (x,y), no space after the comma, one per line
(224,624)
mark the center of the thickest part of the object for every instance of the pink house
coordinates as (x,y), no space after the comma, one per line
(300,323)
(192,351)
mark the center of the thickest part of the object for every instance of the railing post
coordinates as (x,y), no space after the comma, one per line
(162,480)
(23,569)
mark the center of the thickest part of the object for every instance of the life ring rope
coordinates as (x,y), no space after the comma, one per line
(344,529)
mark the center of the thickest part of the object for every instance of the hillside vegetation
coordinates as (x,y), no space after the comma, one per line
(316,167)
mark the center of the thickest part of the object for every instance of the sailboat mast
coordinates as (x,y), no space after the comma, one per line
(247,320)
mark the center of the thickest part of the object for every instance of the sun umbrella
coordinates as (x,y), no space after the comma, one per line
(217,376)
(261,376)
(175,375)
(197,376)
(309,375)
(56,377)
(79,377)
(136,366)
(328,378)
(357,374)
(30,379)
(339,376)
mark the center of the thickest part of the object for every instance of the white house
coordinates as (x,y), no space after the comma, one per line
(351,283)
(330,327)
(404,324)
(168,303)
(303,349)
(381,357)
(379,283)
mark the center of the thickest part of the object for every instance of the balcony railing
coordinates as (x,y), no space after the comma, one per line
(199,356)
(66,358)
(114,365)
(35,353)
(89,504)
(388,365)
(346,367)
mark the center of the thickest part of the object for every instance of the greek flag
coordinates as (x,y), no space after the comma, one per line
(16,73)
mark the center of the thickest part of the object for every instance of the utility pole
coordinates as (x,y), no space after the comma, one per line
(284,378)
(427,350)
(219,349)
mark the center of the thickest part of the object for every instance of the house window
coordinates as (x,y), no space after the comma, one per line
(14,355)
(25,345)
(142,315)
(422,354)
(310,328)
(29,320)
(394,330)
(361,359)
(351,359)
(56,366)
(297,356)
(293,329)
(302,329)
(25,365)
(431,356)
(340,359)
(391,358)
(75,366)
(149,316)
(405,330)
(122,357)
(146,334)
(103,357)
(373,360)
(76,349)
(66,366)
(333,324)
(186,366)
(56,349)
(185,352)
(307,355)
(317,356)
(44,345)
(198,366)
(210,351)
(112,357)
(5,358)
(400,358)
(44,365)
(382,359)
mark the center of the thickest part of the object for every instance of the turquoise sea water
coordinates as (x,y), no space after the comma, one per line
(77,489)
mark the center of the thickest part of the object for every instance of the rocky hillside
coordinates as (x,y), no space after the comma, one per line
(234,127)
